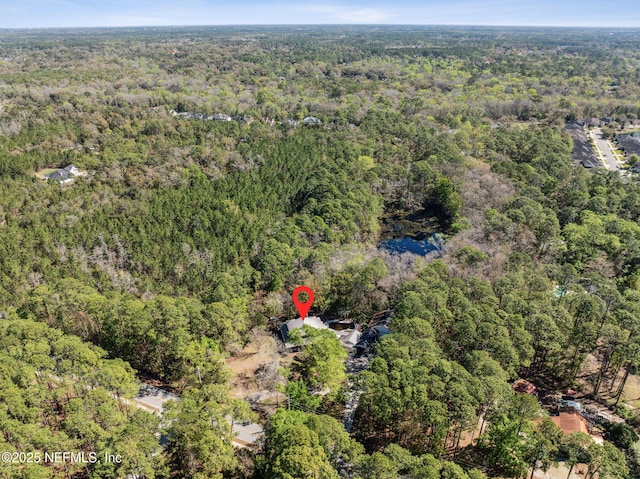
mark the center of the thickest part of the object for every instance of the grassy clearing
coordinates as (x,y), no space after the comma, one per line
(40,174)
(631,394)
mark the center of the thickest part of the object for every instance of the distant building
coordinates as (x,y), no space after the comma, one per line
(60,176)
(242,119)
(628,144)
(65,175)
(575,125)
(523,386)
(311,121)
(216,117)
(582,153)
(221,117)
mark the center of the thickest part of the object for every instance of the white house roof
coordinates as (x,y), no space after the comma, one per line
(348,337)
(312,321)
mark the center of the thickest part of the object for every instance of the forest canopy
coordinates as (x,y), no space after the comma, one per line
(219,168)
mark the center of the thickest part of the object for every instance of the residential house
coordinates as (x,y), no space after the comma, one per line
(65,175)
(311,121)
(242,119)
(348,336)
(298,323)
(575,125)
(582,153)
(570,422)
(221,117)
(628,144)
(347,332)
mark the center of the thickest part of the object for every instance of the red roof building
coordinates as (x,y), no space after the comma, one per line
(523,386)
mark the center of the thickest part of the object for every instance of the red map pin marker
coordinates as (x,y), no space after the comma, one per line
(302,307)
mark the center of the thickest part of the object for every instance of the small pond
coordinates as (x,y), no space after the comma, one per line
(410,245)
(410,232)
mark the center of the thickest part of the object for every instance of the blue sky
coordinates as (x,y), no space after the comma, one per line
(79,13)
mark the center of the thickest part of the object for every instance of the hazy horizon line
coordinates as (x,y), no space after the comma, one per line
(359,25)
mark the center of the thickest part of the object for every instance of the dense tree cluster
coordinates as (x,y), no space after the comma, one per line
(59,393)
(298,442)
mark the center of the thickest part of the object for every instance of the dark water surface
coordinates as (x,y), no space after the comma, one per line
(410,245)
(414,232)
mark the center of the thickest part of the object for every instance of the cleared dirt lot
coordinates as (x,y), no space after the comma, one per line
(246,381)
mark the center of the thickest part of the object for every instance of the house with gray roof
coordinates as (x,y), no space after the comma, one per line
(628,144)
(65,175)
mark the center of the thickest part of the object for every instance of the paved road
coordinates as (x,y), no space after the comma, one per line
(603,148)
(354,366)
(152,398)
